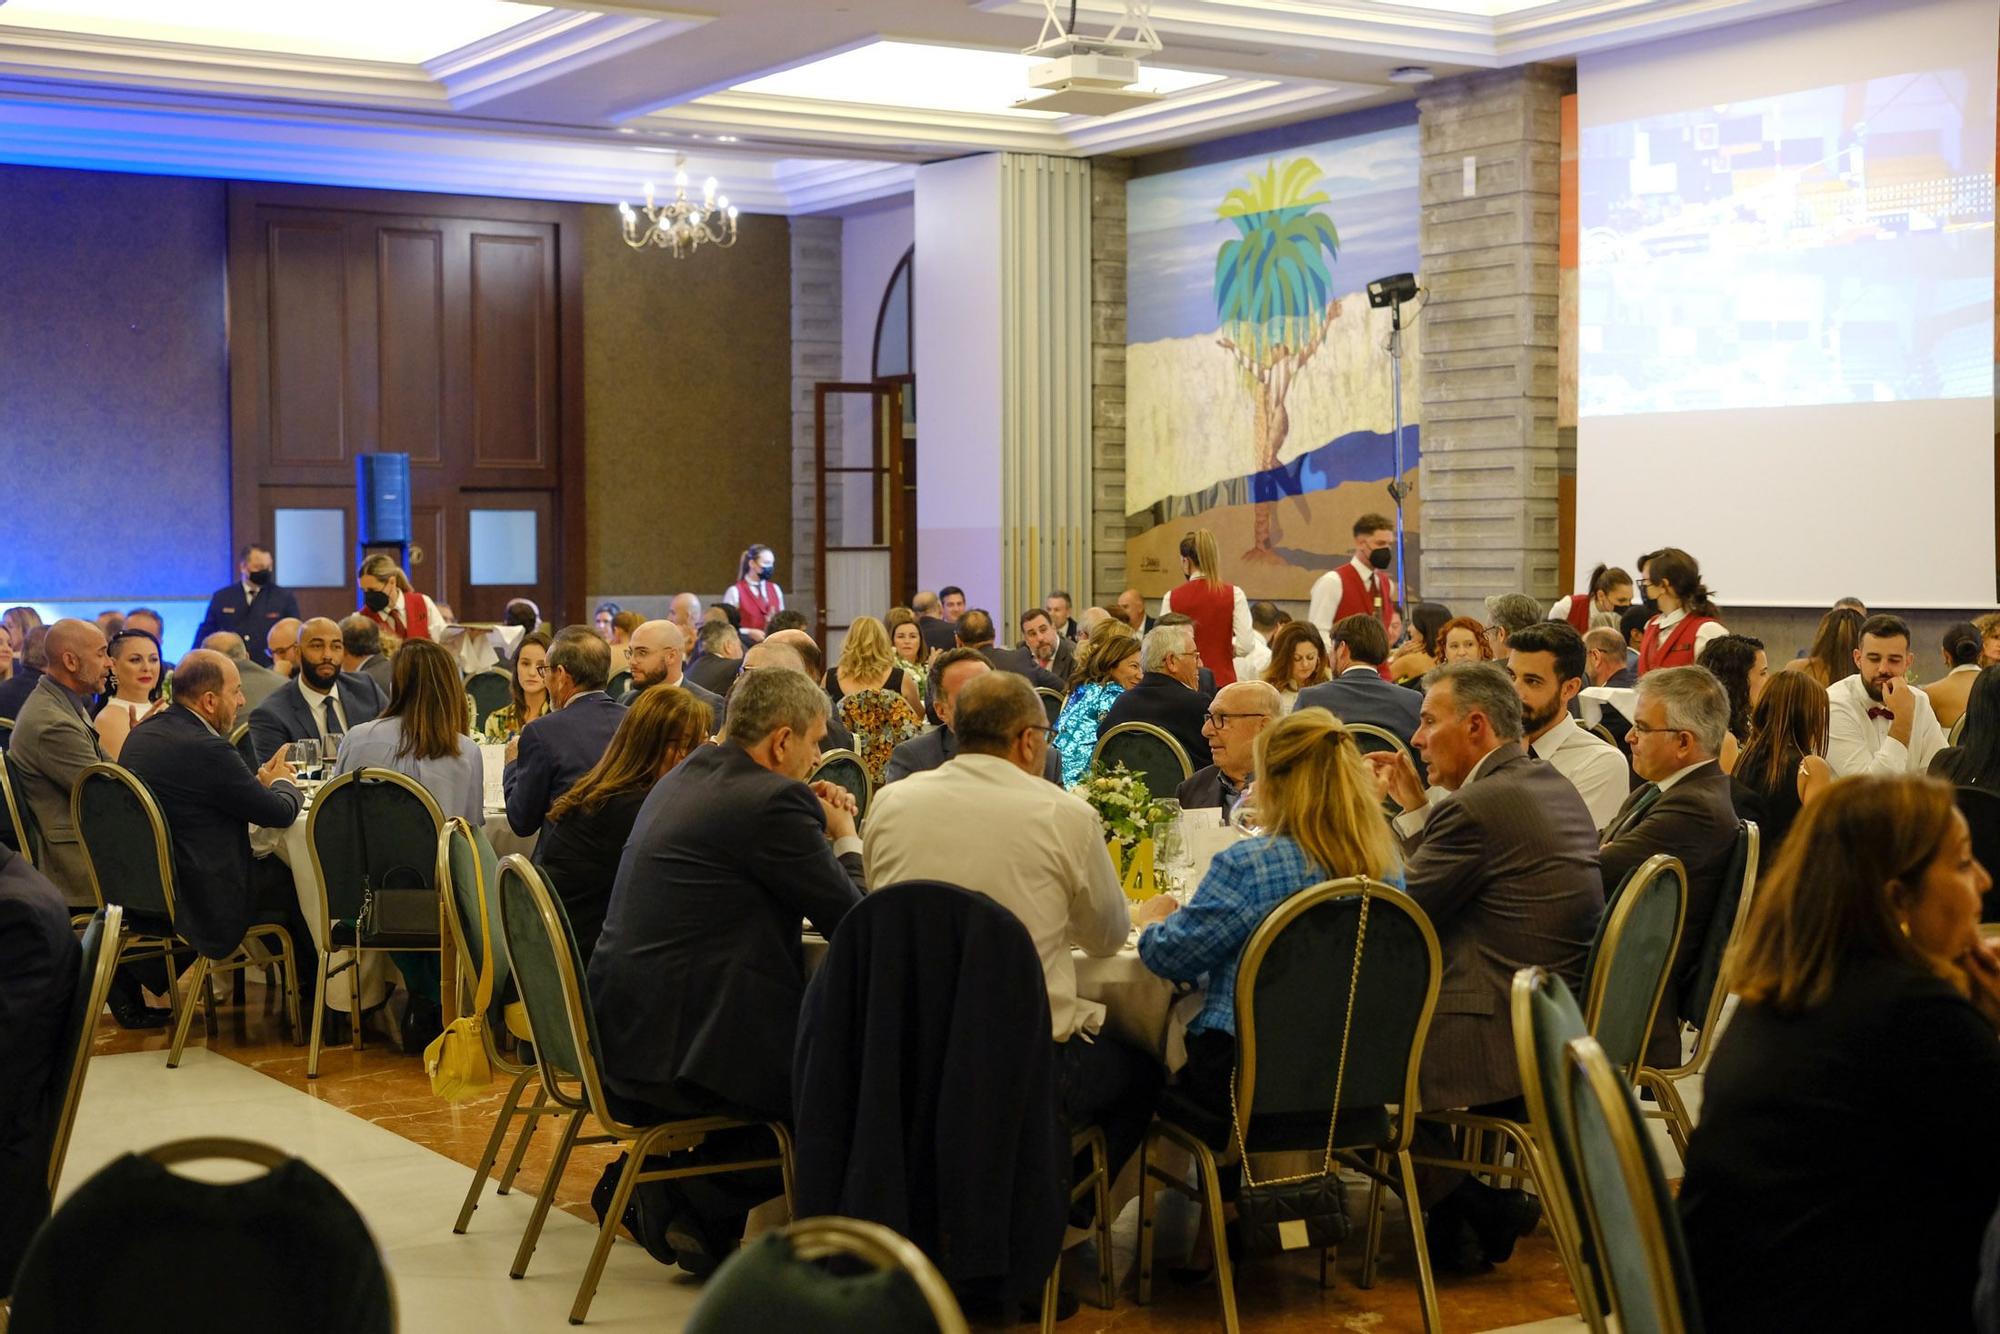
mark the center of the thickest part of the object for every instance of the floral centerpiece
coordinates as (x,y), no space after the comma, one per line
(1129,812)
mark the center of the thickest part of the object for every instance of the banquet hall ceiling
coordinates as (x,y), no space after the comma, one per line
(798,105)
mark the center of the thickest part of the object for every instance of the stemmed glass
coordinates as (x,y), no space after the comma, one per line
(305,759)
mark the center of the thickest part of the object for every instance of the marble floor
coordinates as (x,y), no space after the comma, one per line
(371,1125)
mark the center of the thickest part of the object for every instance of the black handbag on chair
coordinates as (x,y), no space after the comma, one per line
(1310,1210)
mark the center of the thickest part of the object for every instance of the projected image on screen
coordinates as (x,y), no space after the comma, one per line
(1827,246)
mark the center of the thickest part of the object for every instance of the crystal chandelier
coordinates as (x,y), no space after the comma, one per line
(681,225)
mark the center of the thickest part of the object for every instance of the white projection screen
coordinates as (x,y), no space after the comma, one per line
(1786,305)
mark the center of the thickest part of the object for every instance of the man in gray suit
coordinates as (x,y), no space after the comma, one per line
(1506,867)
(259,683)
(53,743)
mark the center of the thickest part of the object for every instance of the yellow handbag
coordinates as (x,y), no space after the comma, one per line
(456,1060)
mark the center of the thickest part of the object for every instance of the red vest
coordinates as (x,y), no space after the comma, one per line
(1673,649)
(756,605)
(1213,608)
(1579,611)
(1356,599)
(416,618)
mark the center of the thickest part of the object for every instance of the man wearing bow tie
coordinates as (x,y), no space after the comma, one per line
(1878,723)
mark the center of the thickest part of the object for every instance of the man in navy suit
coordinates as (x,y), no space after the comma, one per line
(975,631)
(322,703)
(562,745)
(1168,695)
(250,606)
(929,750)
(39,963)
(1357,693)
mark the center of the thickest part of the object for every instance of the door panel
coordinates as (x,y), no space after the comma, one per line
(512,412)
(308,344)
(410,306)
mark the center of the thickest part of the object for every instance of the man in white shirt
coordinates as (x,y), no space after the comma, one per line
(1877,722)
(1546,660)
(321,703)
(1264,625)
(1363,586)
(988,821)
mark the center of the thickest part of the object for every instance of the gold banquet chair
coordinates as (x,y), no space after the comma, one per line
(746,1282)
(564,1030)
(844,769)
(1148,751)
(127,847)
(93,987)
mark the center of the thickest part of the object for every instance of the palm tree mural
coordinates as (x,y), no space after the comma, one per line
(1274,297)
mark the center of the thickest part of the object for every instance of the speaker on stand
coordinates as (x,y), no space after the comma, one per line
(382,504)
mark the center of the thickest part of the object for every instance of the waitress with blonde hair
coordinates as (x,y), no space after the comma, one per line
(392,602)
(1221,614)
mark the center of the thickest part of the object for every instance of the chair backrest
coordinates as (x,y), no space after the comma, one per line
(1981,808)
(780,1282)
(1546,1020)
(125,844)
(13,827)
(1633,1222)
(93,986)
(1291,1002)
(1148,751)
(844,769)
(6,732)
(619,683)
(373,829)
(1633,956)
(22,814)
(239,737)
(549,972)
(1052,703)
(1700,1001)
(1371,739)
(1602,733)
(469,866)
(1957,729)
(491,691)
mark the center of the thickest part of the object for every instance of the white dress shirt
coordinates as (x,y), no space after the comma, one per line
(1327,591)
(1242,637)
(980,823)
(316,707)
(1250,666)
(1858,744)
(1597,769)
(1666,784)
(1667,620)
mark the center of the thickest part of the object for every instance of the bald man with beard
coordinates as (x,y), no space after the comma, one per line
(322,702)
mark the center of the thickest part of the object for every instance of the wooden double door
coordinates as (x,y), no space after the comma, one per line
(445,328)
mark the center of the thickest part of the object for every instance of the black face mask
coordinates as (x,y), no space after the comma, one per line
(260,577)
(1382,558)
(376,600)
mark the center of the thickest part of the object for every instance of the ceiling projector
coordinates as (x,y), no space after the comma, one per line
(1085,83)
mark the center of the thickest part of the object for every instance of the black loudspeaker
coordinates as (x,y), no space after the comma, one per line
(382,499)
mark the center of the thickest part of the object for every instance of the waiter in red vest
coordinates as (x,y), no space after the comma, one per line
(755,594)
(1361,587)
(1609,591)
(389,600)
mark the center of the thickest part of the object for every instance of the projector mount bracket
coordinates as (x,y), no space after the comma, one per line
(1132,36)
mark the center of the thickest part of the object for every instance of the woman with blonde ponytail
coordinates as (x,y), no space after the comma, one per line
(1221,615)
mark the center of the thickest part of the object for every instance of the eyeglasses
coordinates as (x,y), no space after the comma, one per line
(1222,720)
(1640,729)
(1041,727)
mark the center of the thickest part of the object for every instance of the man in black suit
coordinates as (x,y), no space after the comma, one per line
(1167,695)
(929,750)
(322,703)
(1046,647)
(1131,609)
(1058,605)
(29,664)
(209,800)
(564,744)
(653,657)
(250,606)
(1357,693)
(361,644)
(1684,810)
(1505,864)
(794,651)
(39,963)
(939,635)
(714,668)
(698,975)
(1604,662)
(1240,711)
(975,631)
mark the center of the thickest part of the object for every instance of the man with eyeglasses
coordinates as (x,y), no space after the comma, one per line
(1239,713)
(1683,810)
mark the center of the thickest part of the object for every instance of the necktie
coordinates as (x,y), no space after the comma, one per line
(1647,796)
(1881,713)
(333,728)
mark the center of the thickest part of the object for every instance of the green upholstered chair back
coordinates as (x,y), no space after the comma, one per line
(1291,1002)
(619,683)
(1700,1001)
(1148,751)
(1632,958)
(1370,739)
(126,843)
(491,691)
(239,737)
(1546,1020)
(468,864)
(844,769)
(549,972)
(93,986)
(1633,1222)
(1052,703)
(13,814)
(781,1282)
(375,832)
(23,815)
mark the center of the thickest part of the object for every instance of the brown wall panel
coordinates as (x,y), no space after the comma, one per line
(687,393)
(512,417)
(308,343)
(410,304)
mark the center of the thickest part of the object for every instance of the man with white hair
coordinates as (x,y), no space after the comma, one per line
(1684,810)
(1239,713)
(1168,696)
(654,655)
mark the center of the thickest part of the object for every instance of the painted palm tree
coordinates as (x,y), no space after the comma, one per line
(1274,297)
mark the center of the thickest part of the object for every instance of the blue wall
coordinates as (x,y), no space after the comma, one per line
(114,399)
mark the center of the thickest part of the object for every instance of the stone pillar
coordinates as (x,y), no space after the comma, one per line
(1108,523)
(1490,194)
(816,354)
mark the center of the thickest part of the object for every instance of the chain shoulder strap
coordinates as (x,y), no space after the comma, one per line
(1339,1071)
